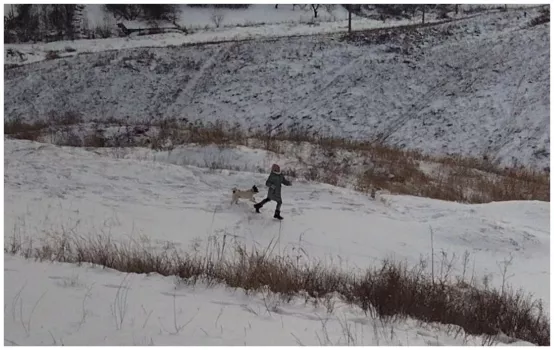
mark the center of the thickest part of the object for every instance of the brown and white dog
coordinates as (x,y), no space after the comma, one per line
(246,194)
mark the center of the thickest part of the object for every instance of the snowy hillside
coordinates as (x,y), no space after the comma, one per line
(51,190)
(478,86)
(62,304)
(129,236)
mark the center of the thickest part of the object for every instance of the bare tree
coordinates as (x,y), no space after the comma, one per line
(69,20)
(126,11)
(423,8)
(315,8)
(349,7)
(160,12)
(217,17)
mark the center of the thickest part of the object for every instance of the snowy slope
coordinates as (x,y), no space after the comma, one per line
(62,304)
(478,86)
(49,189)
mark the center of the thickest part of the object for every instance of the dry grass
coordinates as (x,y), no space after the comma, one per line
(462,184)
(20,129)
(462,179)
(390,290)
(52,55)
(544,17)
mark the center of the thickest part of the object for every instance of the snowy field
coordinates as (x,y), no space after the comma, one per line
(475,87)
(50,190)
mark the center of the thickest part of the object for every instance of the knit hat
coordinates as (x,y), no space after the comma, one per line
(275,168)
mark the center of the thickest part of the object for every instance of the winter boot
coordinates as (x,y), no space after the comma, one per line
(257,206)
(278,215)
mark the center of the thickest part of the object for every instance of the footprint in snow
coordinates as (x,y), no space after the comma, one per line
(224,303)
(424,333)
(174,294)
(56,277)
(347,209)
(116,286)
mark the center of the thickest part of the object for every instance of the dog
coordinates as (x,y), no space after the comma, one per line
(246,194)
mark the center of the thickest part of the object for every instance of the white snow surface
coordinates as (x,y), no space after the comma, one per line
(50,189)
(475,87)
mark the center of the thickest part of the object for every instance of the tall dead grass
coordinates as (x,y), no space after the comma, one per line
(389,290)
(462,179)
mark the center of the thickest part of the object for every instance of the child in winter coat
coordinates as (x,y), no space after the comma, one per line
(274,182)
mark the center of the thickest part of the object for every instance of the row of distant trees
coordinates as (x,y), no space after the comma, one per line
(26,22)
(386,10)
(131,12)
(37,22)
(398,11)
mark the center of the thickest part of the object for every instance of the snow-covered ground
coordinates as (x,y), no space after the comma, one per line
(49,189)
(63,304)
(475,87)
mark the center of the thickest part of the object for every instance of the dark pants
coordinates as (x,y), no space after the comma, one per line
(278,207)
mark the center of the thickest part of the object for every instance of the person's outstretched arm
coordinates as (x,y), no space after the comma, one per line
(286,182)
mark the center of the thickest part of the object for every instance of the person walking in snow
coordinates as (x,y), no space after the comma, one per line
(274,182)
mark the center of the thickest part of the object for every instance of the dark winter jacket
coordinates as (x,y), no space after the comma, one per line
(274,182)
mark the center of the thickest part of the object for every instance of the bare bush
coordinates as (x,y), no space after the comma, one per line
(95,139)
(217,17)
(52,55)
(21,129)
(544,17)
(64,119)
